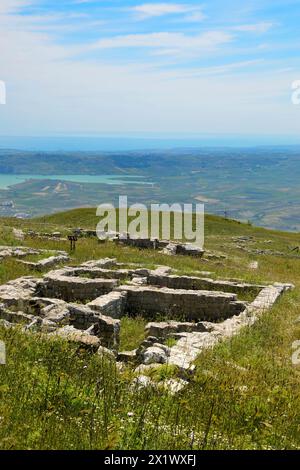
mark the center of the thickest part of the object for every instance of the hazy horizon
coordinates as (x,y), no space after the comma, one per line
(139,143)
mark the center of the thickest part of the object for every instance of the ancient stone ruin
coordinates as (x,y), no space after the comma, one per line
(85,304)
(21,252)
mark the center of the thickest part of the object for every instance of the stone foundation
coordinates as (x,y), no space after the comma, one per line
(62,284)
(142,243)
(193,340)
(184,249)
(196,283)
(183,304)
(113,304)
(16,292)
(46,263)
(199,311)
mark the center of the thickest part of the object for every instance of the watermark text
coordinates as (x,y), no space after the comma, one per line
(184,222)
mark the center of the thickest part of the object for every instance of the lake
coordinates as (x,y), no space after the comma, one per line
(10,180)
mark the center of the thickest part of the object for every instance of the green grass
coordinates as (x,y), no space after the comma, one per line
(244,395)
(170,342)
(132,333)
(38,257)
(11,269)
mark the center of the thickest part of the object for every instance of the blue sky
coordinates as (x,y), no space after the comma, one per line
(91,67)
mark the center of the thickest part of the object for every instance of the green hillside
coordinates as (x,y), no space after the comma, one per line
(244,395)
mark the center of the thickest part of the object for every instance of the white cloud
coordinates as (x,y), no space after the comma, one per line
(158,9)
(194,17)
(255,28)
(150,10)
(220,69)
(12,6)
(166,41)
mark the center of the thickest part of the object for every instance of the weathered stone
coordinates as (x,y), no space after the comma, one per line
(142,272)
(185,304)
(165,329)
(47,326)
(162,346)
(100,263)
(127,356)
(170,249)
(16,292)
(190,345)
(144,368)
(253,265)
(59,314)
(15,317)
(142,381)
(63,285)
(142,243)
(161,271)
(105,352)
(197,283)
(42,325)
(155,354)
(17,252)
(77,336)
(46,263)
(188,348)
(243,238)
(106,328)
(139,281)
(18,234)
(152,339)
(6,324)
(184,249)
(189,250)
(112,304)
(174,385)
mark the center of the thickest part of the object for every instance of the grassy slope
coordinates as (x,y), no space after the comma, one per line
(245,393)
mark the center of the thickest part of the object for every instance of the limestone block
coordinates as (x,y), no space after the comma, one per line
(112,304)
(77,336)
(155,354)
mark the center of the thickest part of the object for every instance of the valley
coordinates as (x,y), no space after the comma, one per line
(255,185)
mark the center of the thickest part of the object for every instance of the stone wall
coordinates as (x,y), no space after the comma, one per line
(112,304)
(143,243)
(106,328)
(72,288)
(185,249)
(181,304)
(191,344)
(197,283)
(196,312)
(16,292)
(46,263)
(96,273)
